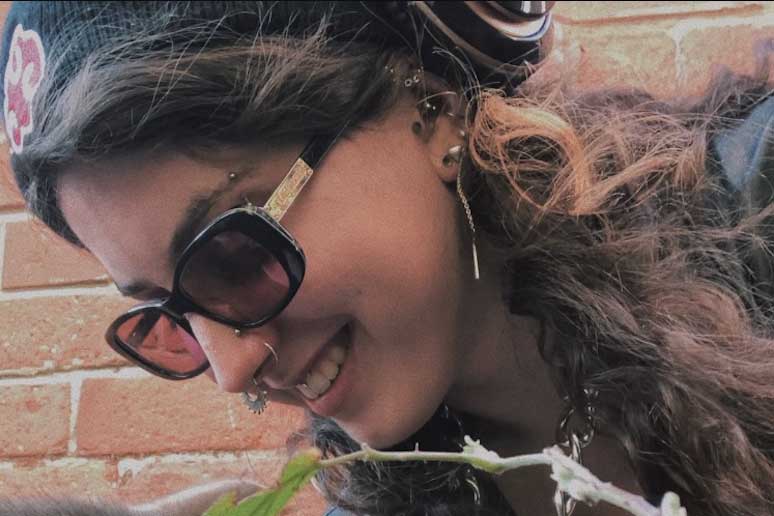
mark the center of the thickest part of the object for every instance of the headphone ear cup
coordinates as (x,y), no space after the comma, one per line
(498,40)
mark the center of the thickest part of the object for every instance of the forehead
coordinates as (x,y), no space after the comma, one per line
(126,211)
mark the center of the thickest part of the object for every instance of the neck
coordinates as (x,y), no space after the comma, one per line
(506,386)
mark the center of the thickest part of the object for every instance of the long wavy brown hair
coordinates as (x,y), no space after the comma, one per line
(602,206)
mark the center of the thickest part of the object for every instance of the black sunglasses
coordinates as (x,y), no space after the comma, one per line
(241,270)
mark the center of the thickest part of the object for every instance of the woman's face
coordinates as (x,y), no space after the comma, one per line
(385,274)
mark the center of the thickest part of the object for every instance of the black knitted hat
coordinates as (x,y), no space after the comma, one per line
(51,40)
(38,35)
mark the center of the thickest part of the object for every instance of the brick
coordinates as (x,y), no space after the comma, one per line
(158,477)
(705,49)
(10,198)
(612,12)
(57,334)
(63,477)
(36,257)
(151,415)
(642,56)
(34,420)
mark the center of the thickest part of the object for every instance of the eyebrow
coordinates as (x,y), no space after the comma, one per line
(193,218)
(195,215)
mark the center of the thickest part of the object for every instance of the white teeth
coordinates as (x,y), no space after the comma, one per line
(324,373)
(317,382)
(306,391)
(338,354)
(328,368)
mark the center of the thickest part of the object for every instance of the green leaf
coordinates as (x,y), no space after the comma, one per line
(225,503)
(295,475)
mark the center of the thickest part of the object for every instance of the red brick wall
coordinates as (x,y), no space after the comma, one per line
(76,418)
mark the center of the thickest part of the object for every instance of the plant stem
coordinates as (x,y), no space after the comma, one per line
(571,477)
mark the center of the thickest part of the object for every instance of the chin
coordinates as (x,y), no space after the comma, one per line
(387,434)
(377,439)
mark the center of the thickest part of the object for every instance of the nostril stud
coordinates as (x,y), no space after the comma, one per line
(237,332)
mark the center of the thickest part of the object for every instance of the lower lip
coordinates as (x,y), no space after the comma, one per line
(331,401)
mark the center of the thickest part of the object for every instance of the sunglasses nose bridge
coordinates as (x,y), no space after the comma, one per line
(234,357)
(178,306)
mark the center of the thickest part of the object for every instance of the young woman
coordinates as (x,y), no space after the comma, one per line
(525,267)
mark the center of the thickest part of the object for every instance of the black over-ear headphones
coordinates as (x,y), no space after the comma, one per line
(498,40)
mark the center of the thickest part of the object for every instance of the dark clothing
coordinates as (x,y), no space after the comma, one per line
(335,511)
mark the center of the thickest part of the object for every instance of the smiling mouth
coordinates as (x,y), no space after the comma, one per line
(326,368)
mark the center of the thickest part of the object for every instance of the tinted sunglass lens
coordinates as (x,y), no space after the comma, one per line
(161,341)
(234,276)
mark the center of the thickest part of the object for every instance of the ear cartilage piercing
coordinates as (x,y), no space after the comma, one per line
(258,403)
(232,176)
(409,82)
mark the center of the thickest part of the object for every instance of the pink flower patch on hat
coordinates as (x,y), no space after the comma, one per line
(23,75)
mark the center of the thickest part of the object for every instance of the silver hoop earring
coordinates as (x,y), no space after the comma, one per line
(273,352)
(466,206)
(259,402)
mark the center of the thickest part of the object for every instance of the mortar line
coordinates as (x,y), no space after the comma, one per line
(2,253)
(164,458)
(15,216)
(75,400)
(121,373)
(676,34)
(738,9)
(137,463)
(65,291)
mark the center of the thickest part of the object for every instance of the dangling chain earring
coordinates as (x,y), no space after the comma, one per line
(468,214)
(454,156)
(574,440)
(430,108)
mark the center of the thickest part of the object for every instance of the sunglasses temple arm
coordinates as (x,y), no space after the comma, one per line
(300,173)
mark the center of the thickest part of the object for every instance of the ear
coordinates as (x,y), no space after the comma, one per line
(444,146)
(444,129)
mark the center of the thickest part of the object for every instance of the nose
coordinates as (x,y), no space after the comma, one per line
(233,358)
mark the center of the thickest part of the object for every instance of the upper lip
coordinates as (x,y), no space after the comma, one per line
(281,381)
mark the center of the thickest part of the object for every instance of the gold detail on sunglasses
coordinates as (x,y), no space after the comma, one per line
(286,192)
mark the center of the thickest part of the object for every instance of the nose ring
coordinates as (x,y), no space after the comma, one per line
(274,353)
(259,401)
